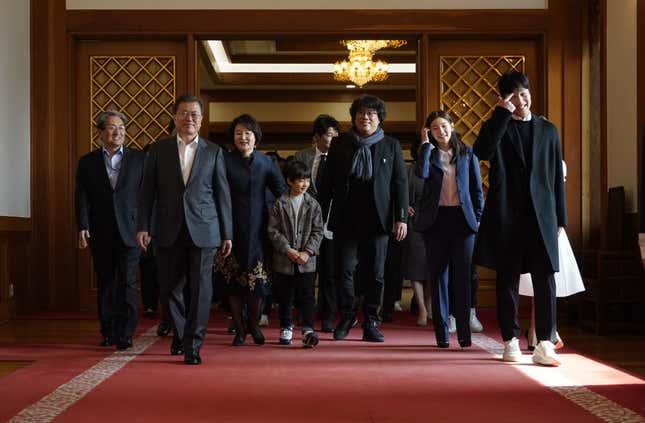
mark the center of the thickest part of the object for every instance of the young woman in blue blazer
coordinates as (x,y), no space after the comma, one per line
(448,216)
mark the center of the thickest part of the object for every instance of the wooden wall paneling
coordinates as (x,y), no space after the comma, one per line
(85,49)
(192,83)
(640,66)
(250,24)
(308,96)
(604,201)
(423,79)
(14,267)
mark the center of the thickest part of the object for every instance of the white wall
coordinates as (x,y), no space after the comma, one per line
(14,108)
(312,4)
(622,138)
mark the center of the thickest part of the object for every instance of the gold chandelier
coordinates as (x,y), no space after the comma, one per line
(360,68)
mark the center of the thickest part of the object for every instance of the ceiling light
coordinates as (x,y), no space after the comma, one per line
(359,67)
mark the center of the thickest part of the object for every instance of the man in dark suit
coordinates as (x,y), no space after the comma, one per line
(523,214)
(366,185)
(185,179)
(325,129)
(107,187)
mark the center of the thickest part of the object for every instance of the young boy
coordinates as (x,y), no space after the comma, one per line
(296,231)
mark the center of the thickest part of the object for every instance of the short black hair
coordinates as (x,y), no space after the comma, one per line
(323,122)
(187,98)
(367,101)
(512,80)
(103,117)
(295,169)
(249,123)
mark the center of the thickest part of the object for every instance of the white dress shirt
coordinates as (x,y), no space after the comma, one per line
(186,156)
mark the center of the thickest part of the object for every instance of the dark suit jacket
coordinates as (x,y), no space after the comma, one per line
(204,202)
(105,211)
(469,186)
(502,219)
(389,176)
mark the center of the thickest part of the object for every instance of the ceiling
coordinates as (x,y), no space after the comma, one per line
(269,65)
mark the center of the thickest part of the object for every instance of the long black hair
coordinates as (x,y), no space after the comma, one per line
(456,145)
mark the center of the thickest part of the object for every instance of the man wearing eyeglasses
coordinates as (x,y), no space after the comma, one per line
(185,178)
(107,187)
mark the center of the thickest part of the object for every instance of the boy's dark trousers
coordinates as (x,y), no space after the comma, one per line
(300,286)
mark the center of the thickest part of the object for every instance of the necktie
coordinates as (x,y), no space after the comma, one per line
(321,170)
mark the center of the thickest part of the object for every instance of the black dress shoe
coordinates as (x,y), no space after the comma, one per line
(106,342)
(192,359)
(257,335)
(465,344)
(124,343)
(163,328)
(326,326)
(443,344)
(343,328)
(176,348)
(239,339)
(371,332)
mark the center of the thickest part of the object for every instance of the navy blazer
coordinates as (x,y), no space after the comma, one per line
(469,186)
(103,210)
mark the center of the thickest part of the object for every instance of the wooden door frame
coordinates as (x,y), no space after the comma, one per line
(56,32)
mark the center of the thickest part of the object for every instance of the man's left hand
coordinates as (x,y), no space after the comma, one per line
(400,230)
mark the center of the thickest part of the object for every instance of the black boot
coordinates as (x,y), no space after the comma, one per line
(342,330)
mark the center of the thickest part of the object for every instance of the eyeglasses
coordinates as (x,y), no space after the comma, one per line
(368,113)
(184,114)
(115,127)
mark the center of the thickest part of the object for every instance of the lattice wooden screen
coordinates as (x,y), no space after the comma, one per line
(468,91)
(141,87)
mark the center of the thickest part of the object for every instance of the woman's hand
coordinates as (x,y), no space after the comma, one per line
(425,135)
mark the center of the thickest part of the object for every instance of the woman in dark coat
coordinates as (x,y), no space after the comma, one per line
(249,174)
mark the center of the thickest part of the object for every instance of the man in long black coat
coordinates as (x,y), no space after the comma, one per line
(524,212)
(366,183)
(107,187)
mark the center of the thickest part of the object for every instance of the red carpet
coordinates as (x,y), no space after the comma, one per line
(405,379)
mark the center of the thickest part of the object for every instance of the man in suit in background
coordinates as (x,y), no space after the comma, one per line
(523,214)
(325,129)
(185,180)
(107,187)
(366,185)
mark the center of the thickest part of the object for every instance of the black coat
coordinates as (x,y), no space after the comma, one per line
(204,202)
(389,176)
(501,218)
(105,211)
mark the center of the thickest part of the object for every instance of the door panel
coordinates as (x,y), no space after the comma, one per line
(139,79)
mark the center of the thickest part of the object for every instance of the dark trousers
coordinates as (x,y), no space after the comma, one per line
(301,287)
(181,264)
(368,252)
(545,305)
(149,281)
(474,286)
(116,274)
(326,281)
(532,258)
(393,275)
(450,241)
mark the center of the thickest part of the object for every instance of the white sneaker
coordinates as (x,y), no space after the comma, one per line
(264,320)
(452,324)
(475,325)
(545,355)
(286,335)
(512,350)
(397,306)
